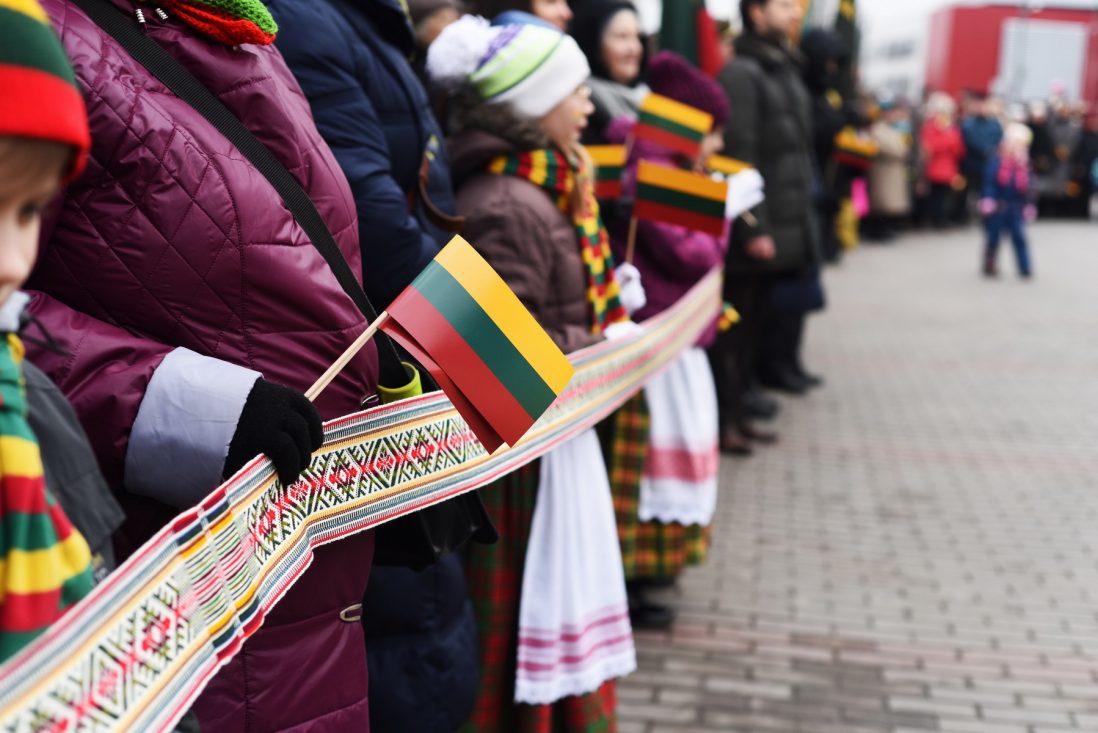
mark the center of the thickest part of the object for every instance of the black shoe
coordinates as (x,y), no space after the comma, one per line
(785,380)
(759,406)
(651,616)
(735,443)
(812,380)
(755,435)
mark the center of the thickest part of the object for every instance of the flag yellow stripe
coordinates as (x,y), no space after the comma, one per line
(694,184)
(496,299)
(728,166)
(38,571)
(678,112)
(607,155)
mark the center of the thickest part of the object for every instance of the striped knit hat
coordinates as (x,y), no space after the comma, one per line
(38,93)
(528,66)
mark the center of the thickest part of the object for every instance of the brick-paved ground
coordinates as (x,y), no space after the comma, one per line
(921,551)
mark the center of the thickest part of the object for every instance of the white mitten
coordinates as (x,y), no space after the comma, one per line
(745,192)
(632,291)
(622,330)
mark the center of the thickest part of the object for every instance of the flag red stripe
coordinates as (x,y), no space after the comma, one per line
(681,217)
(670,140)
(462,364)
(30,611)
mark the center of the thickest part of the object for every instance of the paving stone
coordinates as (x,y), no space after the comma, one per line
(923,533)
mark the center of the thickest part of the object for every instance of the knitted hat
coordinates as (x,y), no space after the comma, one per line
(38,93)
(672,76)
(528,66)
(421,10)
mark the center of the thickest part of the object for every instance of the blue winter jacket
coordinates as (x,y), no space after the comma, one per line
(1012,195)
(351,59)
(982,136)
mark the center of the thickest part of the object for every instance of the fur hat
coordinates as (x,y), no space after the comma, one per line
(673,76)
(38,94)
(528,66)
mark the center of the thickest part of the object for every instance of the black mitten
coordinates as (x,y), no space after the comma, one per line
(280,423)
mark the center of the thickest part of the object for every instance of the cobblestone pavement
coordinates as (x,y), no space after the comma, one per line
(921,551)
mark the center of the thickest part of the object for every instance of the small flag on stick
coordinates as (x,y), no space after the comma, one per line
(680,197)
(672,124)
(728,166)
(498,366)
(609,163)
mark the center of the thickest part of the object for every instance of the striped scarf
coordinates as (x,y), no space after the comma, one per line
(552,171)
(231,22)
(45,564)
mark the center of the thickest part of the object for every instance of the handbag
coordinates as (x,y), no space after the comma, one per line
(416,540)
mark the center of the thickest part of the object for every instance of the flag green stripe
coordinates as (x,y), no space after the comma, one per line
(25,41)
(477,328)
(678,199)
(647,118)
(13,641)
(609,173)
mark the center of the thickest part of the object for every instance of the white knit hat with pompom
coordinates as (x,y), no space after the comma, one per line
(531,67)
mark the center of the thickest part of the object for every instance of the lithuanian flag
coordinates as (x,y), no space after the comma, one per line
(609,163)
(680,197)
(672,124)
(728,166)
(495,363)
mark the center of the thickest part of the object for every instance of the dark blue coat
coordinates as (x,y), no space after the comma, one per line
(982,136)
(351,59)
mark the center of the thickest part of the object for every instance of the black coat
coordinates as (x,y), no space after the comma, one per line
(771,128)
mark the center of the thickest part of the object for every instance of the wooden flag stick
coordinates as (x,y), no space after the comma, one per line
(632,243)
(749,218)
(345,358)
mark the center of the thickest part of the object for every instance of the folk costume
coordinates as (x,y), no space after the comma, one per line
(550,595)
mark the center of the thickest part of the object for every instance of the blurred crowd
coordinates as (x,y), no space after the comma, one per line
(189,293)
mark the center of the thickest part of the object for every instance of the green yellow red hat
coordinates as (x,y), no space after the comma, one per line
(38,94)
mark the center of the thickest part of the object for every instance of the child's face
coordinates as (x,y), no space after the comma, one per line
(30,174)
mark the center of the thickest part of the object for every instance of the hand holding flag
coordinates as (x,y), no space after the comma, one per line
(459,319)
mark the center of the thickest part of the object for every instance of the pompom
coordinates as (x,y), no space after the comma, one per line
(458,50)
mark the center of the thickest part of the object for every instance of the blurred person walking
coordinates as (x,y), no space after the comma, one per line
(1007,200)
(942,150)
(772,130)
(1084,160)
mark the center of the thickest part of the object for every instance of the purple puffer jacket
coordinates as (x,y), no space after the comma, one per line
(175,277)
(671,259)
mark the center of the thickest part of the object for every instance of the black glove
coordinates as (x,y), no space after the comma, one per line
(280,423)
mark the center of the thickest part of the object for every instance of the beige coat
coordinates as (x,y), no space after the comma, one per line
(889,190)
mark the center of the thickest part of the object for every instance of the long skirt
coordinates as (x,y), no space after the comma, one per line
(495,582)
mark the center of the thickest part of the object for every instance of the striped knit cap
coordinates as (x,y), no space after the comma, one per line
(45,564)
(38,93)
(231,22)
(531,67)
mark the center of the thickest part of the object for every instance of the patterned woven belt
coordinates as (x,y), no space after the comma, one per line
(139,649)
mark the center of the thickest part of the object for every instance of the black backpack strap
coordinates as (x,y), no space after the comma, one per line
(184,85)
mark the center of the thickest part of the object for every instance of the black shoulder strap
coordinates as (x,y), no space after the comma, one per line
(184,85)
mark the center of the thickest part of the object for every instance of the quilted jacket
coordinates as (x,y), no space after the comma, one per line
(175,276)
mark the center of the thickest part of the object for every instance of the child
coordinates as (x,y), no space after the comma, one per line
(1006,201)
(44,561)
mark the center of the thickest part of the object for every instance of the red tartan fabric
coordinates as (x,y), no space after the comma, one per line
(494,575)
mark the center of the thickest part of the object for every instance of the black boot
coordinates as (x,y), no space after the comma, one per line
(758,405)
(643,613)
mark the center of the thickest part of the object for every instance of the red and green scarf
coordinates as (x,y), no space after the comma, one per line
(232,22)
(552,171)
(45,564)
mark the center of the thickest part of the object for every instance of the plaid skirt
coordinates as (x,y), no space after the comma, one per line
(494,576)
(649,550)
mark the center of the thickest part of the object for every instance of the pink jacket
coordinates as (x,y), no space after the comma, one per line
(943,150)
